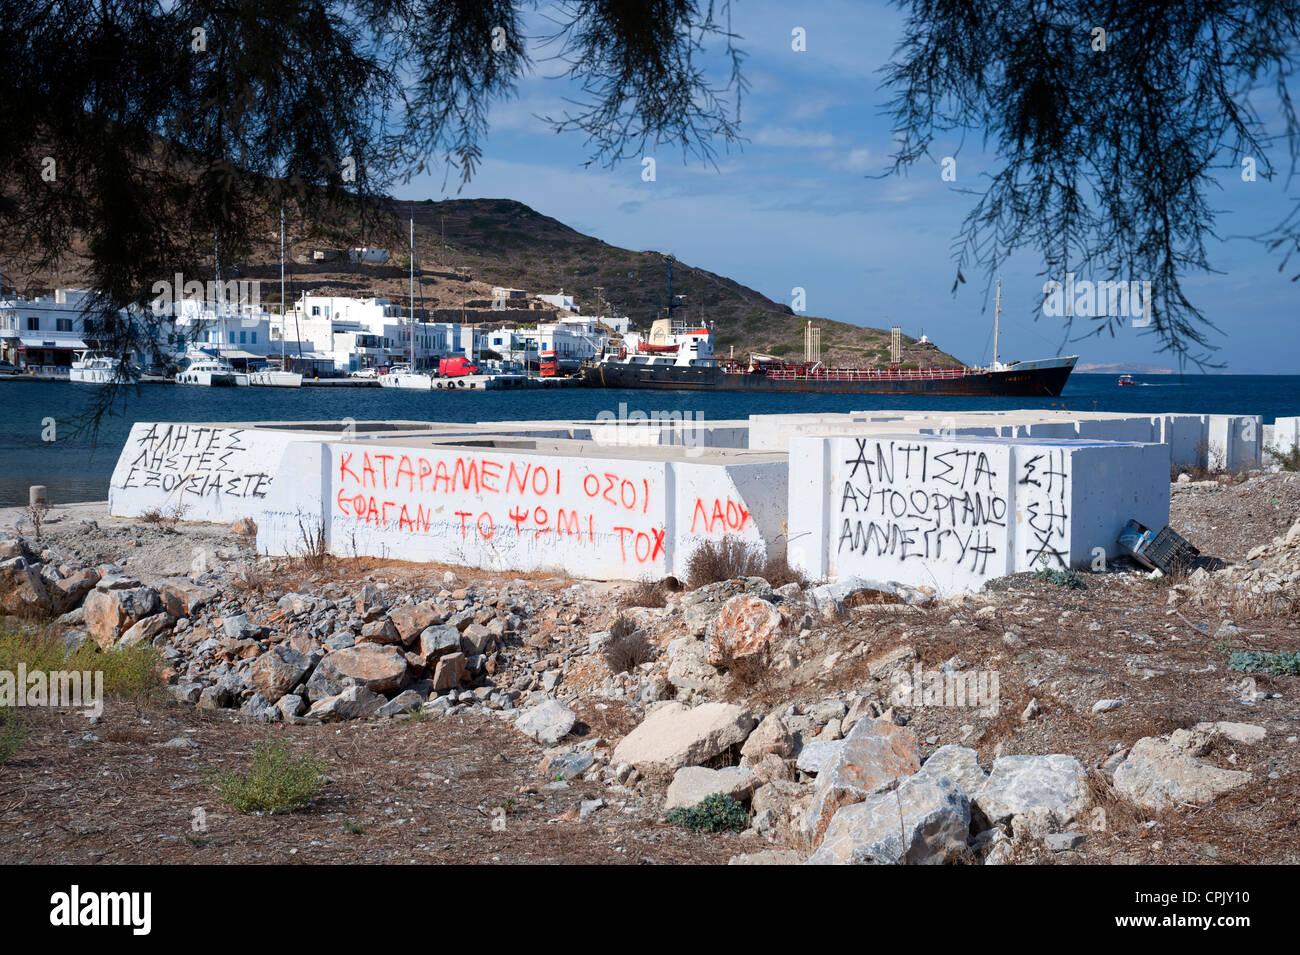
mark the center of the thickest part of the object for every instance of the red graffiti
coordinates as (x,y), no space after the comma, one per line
(645,546)
(729,516)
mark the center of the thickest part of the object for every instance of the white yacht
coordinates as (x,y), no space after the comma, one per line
(100,368)
(403,376)
(203,369)
(271,376)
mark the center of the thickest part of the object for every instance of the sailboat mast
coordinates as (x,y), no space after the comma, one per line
(412,312)
(997,311)
(282,328)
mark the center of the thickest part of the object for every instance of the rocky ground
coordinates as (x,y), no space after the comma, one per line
(470,716)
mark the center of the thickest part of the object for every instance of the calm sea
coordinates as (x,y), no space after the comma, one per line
(76,465)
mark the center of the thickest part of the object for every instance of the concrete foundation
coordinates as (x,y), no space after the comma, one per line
(630,496)
(951,515)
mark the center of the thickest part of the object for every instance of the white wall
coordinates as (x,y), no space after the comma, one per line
(202,472)
(500,509)
(951,515)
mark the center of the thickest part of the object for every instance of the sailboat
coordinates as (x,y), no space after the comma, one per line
(202,368)
(405,375)
(269,375)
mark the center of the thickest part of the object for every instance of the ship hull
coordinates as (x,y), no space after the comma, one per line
(1043,379)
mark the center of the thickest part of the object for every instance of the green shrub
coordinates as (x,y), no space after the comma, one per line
(276,780)
(1257,661)
(130,673)
(13,734)
(1062,578)
(716,813)
(37,650)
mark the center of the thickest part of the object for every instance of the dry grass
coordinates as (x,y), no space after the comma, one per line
(628,647)
(731,557)
(646,593)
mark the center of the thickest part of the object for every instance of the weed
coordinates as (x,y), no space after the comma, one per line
(646,593)
(13,734)
(627,648)
(353,828)
(1062,578)
(1256,661)
(715,813)
(275,781)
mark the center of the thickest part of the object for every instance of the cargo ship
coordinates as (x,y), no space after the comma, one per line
(674,356)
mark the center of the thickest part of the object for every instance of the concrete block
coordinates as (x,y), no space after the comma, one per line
(951,515)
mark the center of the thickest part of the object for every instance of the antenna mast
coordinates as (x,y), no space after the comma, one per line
(997,311)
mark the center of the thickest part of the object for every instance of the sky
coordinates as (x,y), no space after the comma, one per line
(802,205)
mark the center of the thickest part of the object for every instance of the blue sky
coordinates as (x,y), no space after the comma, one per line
(798,206)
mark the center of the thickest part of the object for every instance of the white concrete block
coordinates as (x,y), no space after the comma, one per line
(951,515)
(201,472)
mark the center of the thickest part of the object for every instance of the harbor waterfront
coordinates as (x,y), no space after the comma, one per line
(44,438)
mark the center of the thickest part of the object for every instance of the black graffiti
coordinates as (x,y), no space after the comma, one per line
(967,508)
(1047,516)
(903,543)
(193,460)
(891,462)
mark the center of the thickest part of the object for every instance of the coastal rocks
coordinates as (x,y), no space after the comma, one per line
(924,821)
(143,631)
(689,668)
(1018,784)
(674,735)
(744,627)
(182,597)
(772,736)
(68,592)
(872,757)
(22,591)
(278,671)
(1162,771)
(692,784)
(377,668)
(547,723)
(449,671)
(700,606)
(958,763)
(109,614)
(354,703)
(437,641)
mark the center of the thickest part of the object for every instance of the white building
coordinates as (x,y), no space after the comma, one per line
(350,333)
(572,340)
(43,335)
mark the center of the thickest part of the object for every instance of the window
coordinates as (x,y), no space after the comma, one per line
(254,334)
(243,338)
(33,323)
(232,338)
(315,310)
(64,324)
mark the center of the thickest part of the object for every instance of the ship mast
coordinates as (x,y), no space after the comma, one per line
(412,312)
(997,310)
(282,328)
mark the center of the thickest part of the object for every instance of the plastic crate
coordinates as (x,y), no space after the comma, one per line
(1169,551)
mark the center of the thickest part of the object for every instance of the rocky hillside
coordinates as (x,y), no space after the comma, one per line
(503,242)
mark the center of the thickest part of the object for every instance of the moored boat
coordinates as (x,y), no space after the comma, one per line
(100,368)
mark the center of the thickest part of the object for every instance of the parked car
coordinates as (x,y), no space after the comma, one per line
(8,368)
(365,373)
